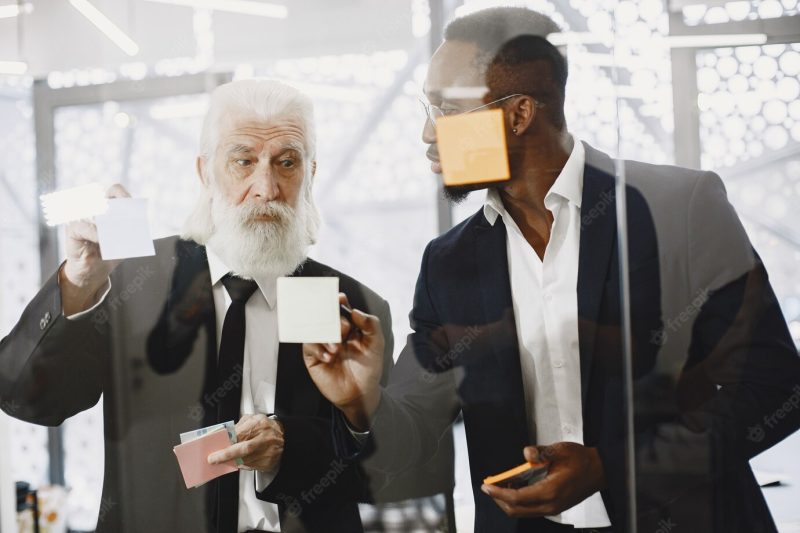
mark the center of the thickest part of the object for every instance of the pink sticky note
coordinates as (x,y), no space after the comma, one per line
(193,458)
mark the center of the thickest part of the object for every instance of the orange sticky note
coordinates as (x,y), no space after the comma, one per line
(519,476)
(193,458)
(472,147)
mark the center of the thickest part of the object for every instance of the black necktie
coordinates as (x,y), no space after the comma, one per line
(229,380)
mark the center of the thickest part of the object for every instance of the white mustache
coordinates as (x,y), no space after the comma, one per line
(277,210)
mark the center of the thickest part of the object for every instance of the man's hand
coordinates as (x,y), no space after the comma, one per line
(85,273)
(349,374)
(259,443)
(575,473)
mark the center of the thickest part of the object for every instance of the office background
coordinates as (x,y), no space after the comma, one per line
(710,85)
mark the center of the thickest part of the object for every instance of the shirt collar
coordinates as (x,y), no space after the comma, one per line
(266,284)
(568,185)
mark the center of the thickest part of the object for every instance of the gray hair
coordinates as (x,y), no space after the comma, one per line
(265,100)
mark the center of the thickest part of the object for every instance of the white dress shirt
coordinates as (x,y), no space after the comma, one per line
(545,300)
(259,372)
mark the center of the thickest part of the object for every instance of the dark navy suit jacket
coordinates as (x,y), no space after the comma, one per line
(695,399)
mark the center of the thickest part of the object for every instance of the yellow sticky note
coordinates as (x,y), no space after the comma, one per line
(472,147)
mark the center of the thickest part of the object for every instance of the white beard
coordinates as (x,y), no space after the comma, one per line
(252,248)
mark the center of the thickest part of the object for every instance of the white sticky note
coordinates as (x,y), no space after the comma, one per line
(308,310)
(124,231)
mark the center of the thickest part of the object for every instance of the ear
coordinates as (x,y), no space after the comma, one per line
(201,170)
(522,114)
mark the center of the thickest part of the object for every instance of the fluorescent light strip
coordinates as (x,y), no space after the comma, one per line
(676,5)
(243,7)
(9,11)
(574,37)
(13,10)
(62,207)
(15,68)
(464,93)
(715,41)
(105,25)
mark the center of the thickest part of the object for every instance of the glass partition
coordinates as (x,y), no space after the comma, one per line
(615,312)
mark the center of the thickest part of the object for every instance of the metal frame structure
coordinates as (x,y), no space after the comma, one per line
(780,30)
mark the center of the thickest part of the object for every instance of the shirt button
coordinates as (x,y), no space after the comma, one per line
(567,429)
(558,363)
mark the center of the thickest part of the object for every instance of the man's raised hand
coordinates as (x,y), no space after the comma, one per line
(348,374)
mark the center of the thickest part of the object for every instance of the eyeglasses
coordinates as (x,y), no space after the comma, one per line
(435,112)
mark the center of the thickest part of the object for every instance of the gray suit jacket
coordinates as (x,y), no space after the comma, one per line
(150,349)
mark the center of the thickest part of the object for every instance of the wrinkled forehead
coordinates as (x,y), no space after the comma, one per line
(454,69)
(284,131)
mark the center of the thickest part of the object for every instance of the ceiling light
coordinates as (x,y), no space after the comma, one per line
(243,7)
(16,68)
(715,41)
(105,25)
(12,10)
(574,37)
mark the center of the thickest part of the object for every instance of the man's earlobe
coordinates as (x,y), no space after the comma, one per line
(201,170)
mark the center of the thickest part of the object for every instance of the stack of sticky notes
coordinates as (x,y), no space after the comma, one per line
(123,230)
(308,309)
(197,445)
(472,147)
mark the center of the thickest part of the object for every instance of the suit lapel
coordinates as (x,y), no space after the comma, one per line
(597,242)
(188,310)
(491,259)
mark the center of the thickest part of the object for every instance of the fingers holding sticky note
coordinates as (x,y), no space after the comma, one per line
(123,228)
(472,148)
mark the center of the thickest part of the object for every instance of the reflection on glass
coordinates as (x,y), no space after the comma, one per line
(516,333)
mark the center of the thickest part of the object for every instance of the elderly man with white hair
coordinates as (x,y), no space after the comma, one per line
(188,338)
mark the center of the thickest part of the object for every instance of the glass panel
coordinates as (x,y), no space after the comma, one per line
(149,147)
(524,325)
(759,161)
(713,295)
(19,263)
